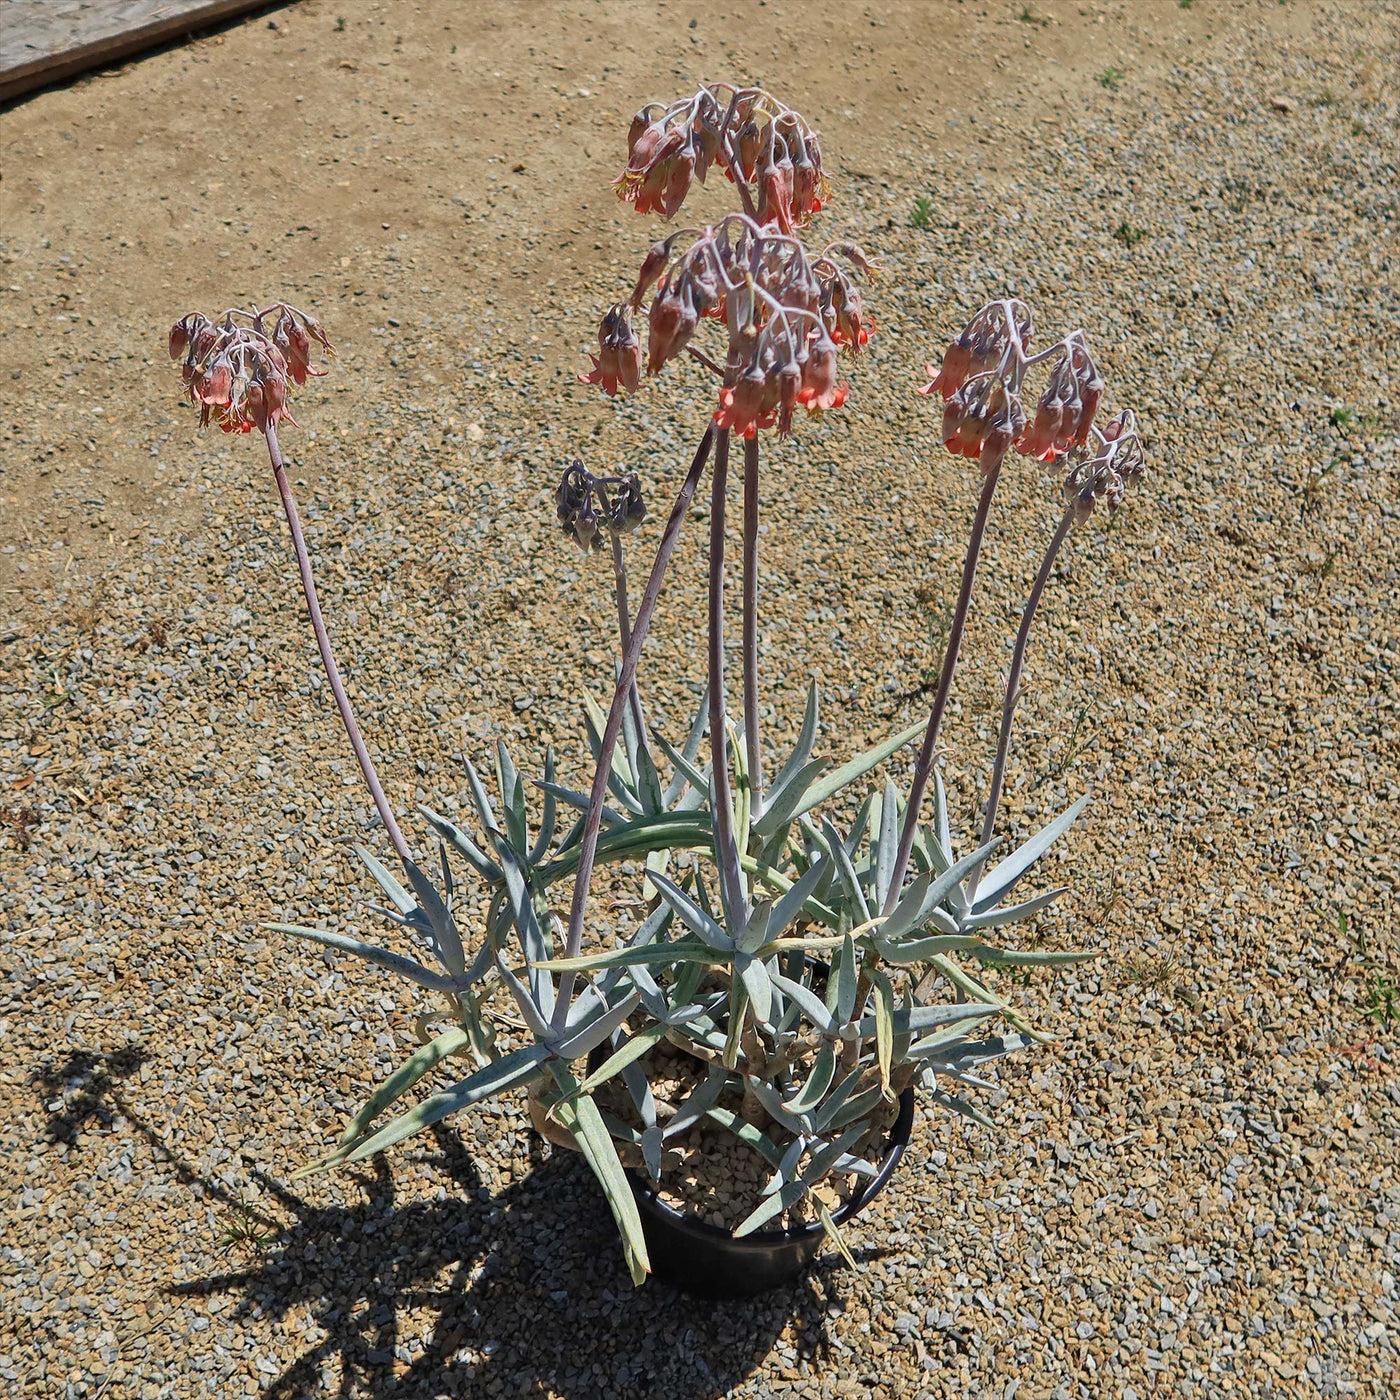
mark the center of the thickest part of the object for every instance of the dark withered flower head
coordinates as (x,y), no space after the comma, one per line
(590,507)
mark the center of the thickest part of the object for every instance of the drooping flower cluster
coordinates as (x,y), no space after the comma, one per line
(744,130)
(1066,409)
(984,346)
(591,506)
(787,313)
(237,373)
(619,357)
(1118,463)
(982,420)
(981,379)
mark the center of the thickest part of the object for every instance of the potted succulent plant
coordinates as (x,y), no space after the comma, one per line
(738,1064)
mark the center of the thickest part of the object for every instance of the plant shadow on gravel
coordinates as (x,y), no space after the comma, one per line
(532,1305)
(88,1084)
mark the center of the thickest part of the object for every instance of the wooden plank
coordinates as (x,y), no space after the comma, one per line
(46,41)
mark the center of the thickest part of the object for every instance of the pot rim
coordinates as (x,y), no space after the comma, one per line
(899,1134)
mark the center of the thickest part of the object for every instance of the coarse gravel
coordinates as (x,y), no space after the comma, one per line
(1194,1190)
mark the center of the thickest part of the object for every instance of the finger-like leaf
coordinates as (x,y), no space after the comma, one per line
(688,769)
(512,798)
(1016,912)
(464,845)
(484,811)
(757,984)
(628,1052)
(961,1107)
(794,901)
(532,940)
(827,1157)
(647,955)
(380,957)
(747,1134)
(856,1109)
(611,816)
(841,985)
(841,778)
(548,813)
(884,1026)
(850,881)
(813,1007)
(1009,957)
(651,1146)
(534,1015)
(938,889)
(834,1235)
(780,805)
(802,752)
(581,1042)
(692,915)
(887,844)
(697,1103)
(920,1018)
(781,1200)
(509,1072)
(818,1082)
(1000,880)
(447,942)
(398,896)
(916,950)
(772,1101)
(582,1119)
(822,1119)
(423,1059)
(687,773)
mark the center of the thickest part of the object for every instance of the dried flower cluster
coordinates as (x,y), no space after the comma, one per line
(589,506)
(772,147)
(1118,464)
(237,373)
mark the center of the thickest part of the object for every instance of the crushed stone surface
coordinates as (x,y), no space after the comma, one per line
(1193,1191)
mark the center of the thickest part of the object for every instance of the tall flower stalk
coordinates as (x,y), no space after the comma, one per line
(612,730)
(980,381)
(788,312)
(753,743)
(237,371)
(1117,463)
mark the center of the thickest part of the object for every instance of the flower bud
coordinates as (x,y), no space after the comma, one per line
(634,507)
(819,387)
(653,265)
(671,323)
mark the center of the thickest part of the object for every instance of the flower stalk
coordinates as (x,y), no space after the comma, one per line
(624,630)
(323,645)
(752,743)
(593,818)
(928,749)
(726,848)
(1013,682)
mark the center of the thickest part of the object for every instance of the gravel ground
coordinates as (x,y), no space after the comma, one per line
(1194,1191)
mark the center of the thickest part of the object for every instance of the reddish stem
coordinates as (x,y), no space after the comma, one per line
(752,745)
(593,820)
(726,849)
(323,643)
(924,767)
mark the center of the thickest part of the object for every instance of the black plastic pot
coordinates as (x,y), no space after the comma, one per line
(702,1259)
